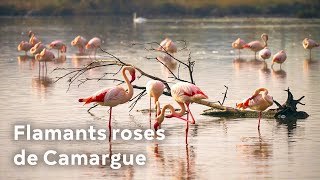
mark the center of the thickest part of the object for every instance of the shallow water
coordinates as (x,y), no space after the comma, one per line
(218,147)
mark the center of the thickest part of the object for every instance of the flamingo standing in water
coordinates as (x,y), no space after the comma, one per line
(24,46)
(256,46)
(94,44)
(80,42)
(59,45)
(265,53)
(238,44)
(183,93)
(167,45)
(258,102)
(115,95)
(44,56)
(154,89)
(37,48)
(33,39)
(279,58)
(309,44)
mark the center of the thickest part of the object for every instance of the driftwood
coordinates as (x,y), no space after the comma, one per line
(285,111)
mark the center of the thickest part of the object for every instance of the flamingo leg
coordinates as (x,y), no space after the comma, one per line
(310,54)
(45,63)
(189,112)
(239,53)
(259,120)
(110,121)
(150,109)
(255,55)
(39,68)
(187,129)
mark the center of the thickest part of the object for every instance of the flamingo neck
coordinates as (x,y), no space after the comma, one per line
(174,113)
(265,40)
(130,88)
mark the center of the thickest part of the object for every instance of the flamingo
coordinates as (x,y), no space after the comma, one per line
(138,20)
(257,45)
(238,44)
(59,45)
(265,53)
(279,58)
(94,44)
(24,46)
(154,89)
(183,93)
(167,45)
(309,44)
(44,56)
(79,42)
(258,102)
(115,95)
(33,39)
(37,48)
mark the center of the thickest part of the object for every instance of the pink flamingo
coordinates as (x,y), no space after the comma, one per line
(154,89)
(33,39)
(79,42)
(265,53)
(258,102)
(279,58)
(94,44)
(167,45)
(256,46)
(24,46)
(44,56)
(59,45)
(238,44)
(183,93)
(309,44)
(115,95)
(37,48)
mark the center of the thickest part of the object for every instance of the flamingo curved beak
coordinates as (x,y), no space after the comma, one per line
(156,126)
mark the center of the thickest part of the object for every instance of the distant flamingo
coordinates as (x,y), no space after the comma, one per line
(33,39)
(257,45)
(94,44)
(183,93)
(115,95)
(167,45)
(80,42)
(24,46)
(279,58)
(258,102)
(44,56)
(238,44)
(37,48)
(59,45)
(138,20)
(154,89)
(309,44)
(265,53)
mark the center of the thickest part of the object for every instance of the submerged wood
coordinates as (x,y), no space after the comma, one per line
(285,111)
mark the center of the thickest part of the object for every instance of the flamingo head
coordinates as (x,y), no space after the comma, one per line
(88,46)
(156,126)
(30,33)
(64,49)
(132,72)
(265,37)
(246,46)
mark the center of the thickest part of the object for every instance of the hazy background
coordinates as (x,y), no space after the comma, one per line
(147,8)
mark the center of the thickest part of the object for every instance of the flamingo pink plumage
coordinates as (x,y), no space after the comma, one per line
(44,56)
(258,102)
(24,46)
(309,44)
(33,39)
(154,89)
(238,44)
(265,53)
(256,46)
(80,42)
(167,45)
(94,44)
(59,45)
(115,95)
(279,58)
(37,48)
(183,93)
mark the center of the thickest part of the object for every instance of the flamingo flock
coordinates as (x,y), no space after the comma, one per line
(183,93)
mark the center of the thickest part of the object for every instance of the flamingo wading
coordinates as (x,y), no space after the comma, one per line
(154,89)
(309,44)
(115,95)
(183,93)
(258,102)
(257,46)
